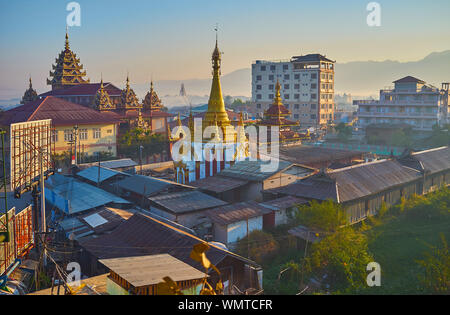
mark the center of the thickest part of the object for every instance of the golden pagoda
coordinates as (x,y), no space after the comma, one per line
(275,116)
(216,113)
(30,95)
(102,101)
(67,71)
(151,100)
(128,99)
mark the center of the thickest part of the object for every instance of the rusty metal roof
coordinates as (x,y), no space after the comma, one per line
(310,155)
(144,271)
(219,184)
(237,212)
(143,235)
(352,182)
(146,185)
(60,111)
(186,201)
(431,161)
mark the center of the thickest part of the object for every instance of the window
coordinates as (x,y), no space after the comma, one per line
(263,68)
(286,96)
(285,67)
(313,75)
(271,77)
(287,77)
(297,77)
(258,96)
(297,106)
(258,106)
(97,133)
(258,87)
(272,68)
(68,135)
(109,131)
(55,136)
(313,106)
(296,96)
(296,116)
(258,78)
(271,87)
(297,86)
(286,86)
(313,116)
(313,86)
(83,134)
(271,96)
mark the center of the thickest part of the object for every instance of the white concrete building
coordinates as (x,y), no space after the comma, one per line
(410,102)
(307,87)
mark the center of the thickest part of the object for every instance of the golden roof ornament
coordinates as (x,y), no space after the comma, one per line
(102,101)
(30,94)
(151,100)
(128,99)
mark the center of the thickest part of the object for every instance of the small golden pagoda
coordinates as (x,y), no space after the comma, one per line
(275,116)
(151,100)
(128,98)
(67,71)
(102,101)
(30,95)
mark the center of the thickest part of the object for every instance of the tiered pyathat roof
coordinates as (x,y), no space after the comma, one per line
(102,101)
(129,99)
(67,71)
(151,100)
(277,113)
(30,95)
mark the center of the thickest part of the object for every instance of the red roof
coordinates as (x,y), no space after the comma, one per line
(85,89)
(60,111)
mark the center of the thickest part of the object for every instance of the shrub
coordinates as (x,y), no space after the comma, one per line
(258,246)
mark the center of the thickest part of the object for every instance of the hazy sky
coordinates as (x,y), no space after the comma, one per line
(173,39)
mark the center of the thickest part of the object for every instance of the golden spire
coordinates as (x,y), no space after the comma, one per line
(216,105)
(179,121)
(277,100)
(241,119)
(67,39)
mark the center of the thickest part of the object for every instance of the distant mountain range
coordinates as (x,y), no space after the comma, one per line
(362,78)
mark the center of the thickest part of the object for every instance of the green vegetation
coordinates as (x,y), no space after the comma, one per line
(327,216)
(408,240)
(132,140)
(344,132)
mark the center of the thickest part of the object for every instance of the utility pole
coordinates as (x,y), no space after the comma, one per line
(43,221)
(140,156)
(75,134)
(98,180)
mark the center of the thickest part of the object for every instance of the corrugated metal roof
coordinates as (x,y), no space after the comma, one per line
(143,235)
(73,196)
(114,164)
(219,184)
(252,170)
(60,111)
(92,175)
(187,201)
(435,160)
(237,212)
(312,155)
(283,203)
(307,234)
(144,271)
(146,185)
(352,182)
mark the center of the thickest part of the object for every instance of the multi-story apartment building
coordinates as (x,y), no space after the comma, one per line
(307,88)
(411,102)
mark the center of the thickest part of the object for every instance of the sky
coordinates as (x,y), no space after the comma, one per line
(173,39)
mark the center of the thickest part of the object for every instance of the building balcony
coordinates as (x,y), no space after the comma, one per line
(402,115)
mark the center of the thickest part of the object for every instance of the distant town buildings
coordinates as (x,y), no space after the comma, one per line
(307,84)
(411,102)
